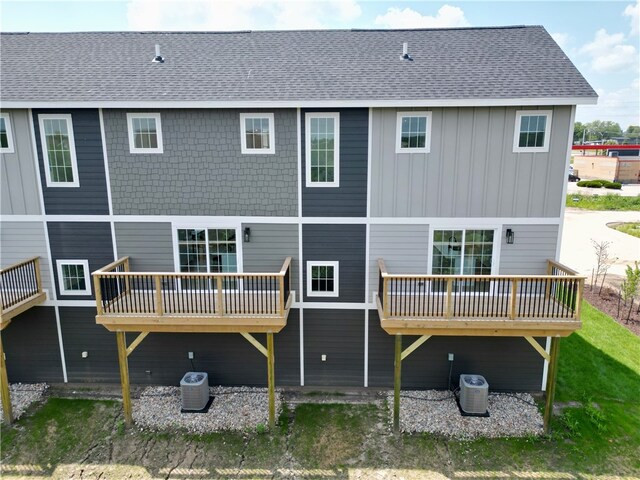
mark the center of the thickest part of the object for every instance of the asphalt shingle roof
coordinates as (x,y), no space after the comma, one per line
(468,63)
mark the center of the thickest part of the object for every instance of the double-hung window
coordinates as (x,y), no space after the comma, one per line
(413,132)
(6,137)
(58,150)
(73,277)
(322,145)
(257,133)
(532,131)
(322,279)
(145,133)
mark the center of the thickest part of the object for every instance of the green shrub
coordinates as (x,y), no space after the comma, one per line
(591,183)
(613,185)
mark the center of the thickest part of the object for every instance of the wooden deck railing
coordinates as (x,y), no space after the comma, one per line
(122,292)
(19,283)
(556,295)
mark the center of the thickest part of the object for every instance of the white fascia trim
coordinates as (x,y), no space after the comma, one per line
(300,252)
(427,142)
(132,148)
(243,135)
(72,149)
(565,183)
(547,131)
(425,102)
(332,305)
(7,125)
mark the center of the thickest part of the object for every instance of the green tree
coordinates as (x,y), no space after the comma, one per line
(603,130)
(632,134)
(578,131)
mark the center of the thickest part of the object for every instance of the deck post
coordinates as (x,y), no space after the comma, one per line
(124,378)
(397,364)
(4,388)
(271,381)
(551,382)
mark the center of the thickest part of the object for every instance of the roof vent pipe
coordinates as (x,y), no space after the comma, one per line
(405,52)
(158,58)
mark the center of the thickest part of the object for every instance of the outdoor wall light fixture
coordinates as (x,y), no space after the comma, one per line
(510,236)
(247,234)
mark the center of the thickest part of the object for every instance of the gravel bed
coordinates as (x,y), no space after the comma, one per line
(23,395)
(436,411)
(233,408)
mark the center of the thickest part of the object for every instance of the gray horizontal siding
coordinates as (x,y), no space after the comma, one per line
(202,170)
(338,334)
(428,366)
(342,243)
(22,240)
(269,246)
(350,198)
(528,255)
(80,241)
(471,170)
(90,198)
(404,249)
(19,193)
(149,245)
(31,347)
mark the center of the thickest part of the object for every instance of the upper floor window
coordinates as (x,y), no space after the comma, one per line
(6,138)
(59,150)
(73,277)
(207,250)
(413,132)
(145,133)
(322,142)
(532,131)
(257,133)
(322,279)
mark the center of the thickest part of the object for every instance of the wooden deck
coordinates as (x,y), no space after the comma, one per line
(177,302)
(20,289)
(467,305)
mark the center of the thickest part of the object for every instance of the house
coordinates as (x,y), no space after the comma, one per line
(342,196)
(619,164)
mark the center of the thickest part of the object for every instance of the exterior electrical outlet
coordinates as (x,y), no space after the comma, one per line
(190,355)
(451,357)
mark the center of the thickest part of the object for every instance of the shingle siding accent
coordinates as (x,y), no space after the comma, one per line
(202,170)
(90,198)
(350,198)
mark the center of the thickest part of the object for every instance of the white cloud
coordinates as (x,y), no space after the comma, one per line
(621,106)
(562,39)
(224,15)
(633,11)
(447,16)
(609,53)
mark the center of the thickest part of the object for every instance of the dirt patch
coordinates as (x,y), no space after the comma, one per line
(609,302)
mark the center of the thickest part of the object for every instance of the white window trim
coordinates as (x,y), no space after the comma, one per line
(10,145)
(497,242)
(307,147)
(336,278)
(243,134)
(427,142)
(72,148)
(132,148)
(87,277)
(547,131)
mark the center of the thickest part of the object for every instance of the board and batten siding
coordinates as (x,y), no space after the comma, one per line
(404,249)
(80,241)
(350,198)
(269,246)
(90,198)
(532,247)
(202,170)
(471,170)
(18,175)
(149,246)
(22,240)
(344,244)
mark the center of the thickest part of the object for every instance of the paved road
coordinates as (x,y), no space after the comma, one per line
(581,226)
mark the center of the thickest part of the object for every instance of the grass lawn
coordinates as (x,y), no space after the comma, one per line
(604,201)
(599,435)
(632,229)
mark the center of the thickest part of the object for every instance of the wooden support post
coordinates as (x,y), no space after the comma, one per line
(124,378)
(397,369)
(449,311)
(98,293)
(271,380)
(578,308)
(512,306)
(551,382)
(548,281)
(36,267)
(158,287)
(386,300)
(4,388)
(219,297)
(281,290)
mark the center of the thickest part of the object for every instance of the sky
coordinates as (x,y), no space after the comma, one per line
(602,38)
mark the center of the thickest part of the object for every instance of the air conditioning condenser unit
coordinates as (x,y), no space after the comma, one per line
(474,394)
(194,390)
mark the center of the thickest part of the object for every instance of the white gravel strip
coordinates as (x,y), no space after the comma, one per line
(436,411)
(23,395)
(233,408)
